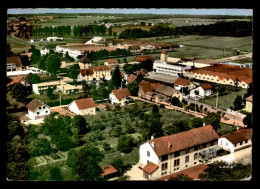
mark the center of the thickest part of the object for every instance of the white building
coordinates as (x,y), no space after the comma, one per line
(94,40)
(163,67)
(119,96)
(54,39)
(235,141)
(37,109)
(84,106)
(204,90)
(44,51)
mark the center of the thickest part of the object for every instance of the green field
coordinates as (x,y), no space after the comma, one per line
(80,20)
(17,45)
(203,47)
(224,101)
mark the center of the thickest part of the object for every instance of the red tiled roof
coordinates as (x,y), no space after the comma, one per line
(15,59)
(142,72)
(179,141)
(100,68)
(223,71)
(238,136)
(250,98)
(86,72)
(163,52)
(143,58)
(122,74)
(166,90)
(192,172)
(147,86)
(181,81)
(108,169)
(16,80)
(85,103)
(131,78)
(206,86)
(150,167)
(121,93)
(33,105)
(111,61)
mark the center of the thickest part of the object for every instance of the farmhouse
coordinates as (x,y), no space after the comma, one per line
(181,83)
(84,63)
(37,109)
(168,154)
(95,72)
(109,171)
(13,64)
(235,141)
(165,94)
(84,106)
(202,91)
(119,96)
(44,51)
(222,74)
(146,89)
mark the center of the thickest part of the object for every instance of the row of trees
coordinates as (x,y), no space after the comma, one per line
(233,28)
(95,55)
(49,31)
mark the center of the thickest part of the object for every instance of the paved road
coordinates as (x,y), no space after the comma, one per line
(249,55)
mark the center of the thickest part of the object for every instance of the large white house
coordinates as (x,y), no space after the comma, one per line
(44,51)
(235,141)
(165,155)
(119,96)
(202,91)
(94,40)
(37,109)
(84,106)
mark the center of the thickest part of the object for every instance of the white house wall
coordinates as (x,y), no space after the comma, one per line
(74,108)
(42,112)
(143,154)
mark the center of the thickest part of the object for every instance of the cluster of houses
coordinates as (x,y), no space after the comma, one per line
(48,39)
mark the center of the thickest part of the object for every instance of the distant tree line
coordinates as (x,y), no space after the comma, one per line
(49,31)
(95,55)
(222,28)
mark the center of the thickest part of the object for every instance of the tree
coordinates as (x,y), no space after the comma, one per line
(50,92)
(222,171)
(238,103)
(155,109)
(116,77)
(119,165)
(249,91)
(147,65)
(87,163)
(85,91)
(73,71)
(55,174)
(9,51)
(196,122)
(19,91)
(81,124)
(212,119)
(125,143)
(25,60)
(32,78)
(133,88)
(248,120)
(53,64)
(175,101)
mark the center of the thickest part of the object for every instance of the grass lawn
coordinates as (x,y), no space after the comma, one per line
(17,46)
(224,101)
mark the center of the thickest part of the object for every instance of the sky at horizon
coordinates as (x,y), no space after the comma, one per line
(236,12)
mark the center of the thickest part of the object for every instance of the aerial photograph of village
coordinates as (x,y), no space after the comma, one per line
(111,94)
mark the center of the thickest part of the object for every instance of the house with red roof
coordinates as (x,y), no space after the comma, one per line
(37,109)
(182,84)
(146,89)
(235,141)
(84,106)
(18,79)
(119,96)
(204,90)
(131,78)
(13,64)
(109,171)
(169,154)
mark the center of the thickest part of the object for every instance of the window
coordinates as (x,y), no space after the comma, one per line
(246,141)
(195,156)
(241,142)
(235,145)
(165,157)
(43,107)
(46,111)
(177,154)
(196,148)
(176,162)
(148,153)
(164,166)
(186,159)
(40,107)
(211,143)
(38,113)
(187,150)
(226,143)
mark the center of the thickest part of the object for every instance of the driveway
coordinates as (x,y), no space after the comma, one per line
(135,173)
